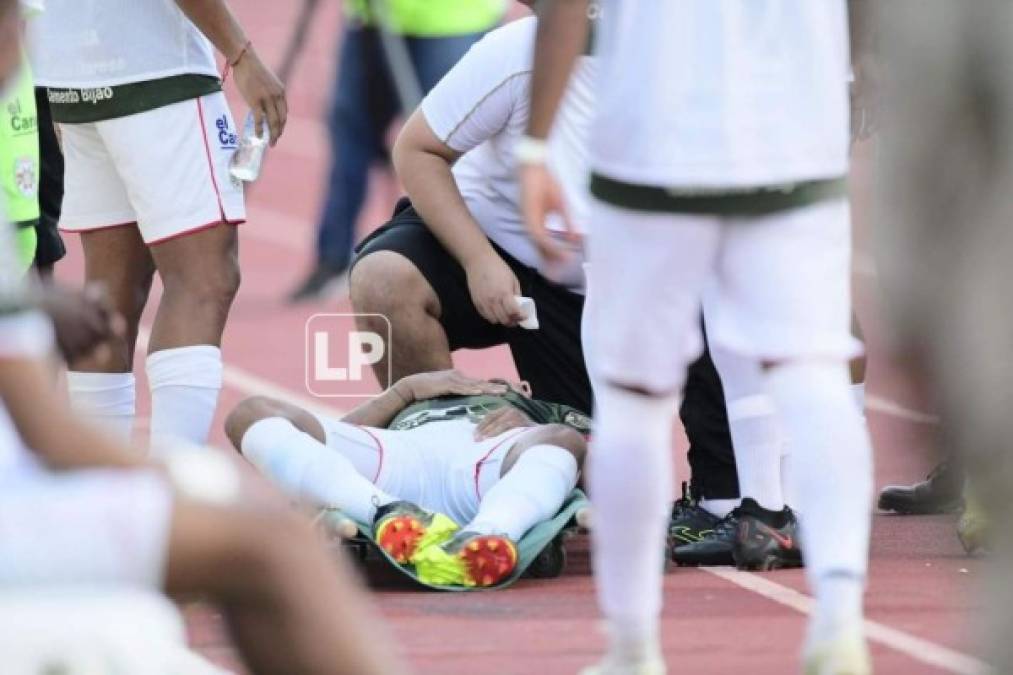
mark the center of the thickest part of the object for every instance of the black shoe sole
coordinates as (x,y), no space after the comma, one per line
(705,562)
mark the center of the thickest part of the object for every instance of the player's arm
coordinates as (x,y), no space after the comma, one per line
(562,36)
(260,89)
(379,412)
(423,164)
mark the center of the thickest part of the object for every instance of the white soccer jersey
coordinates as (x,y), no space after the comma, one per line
(103,43)
(721,93)
(481,108)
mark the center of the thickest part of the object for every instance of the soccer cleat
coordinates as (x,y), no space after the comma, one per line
(402,529)
(766,540)
(847,654)
(938,493)
(972,528)
(469,559)
(689,522)
(714,547)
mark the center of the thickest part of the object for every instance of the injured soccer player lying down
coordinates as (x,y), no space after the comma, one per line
(449,470)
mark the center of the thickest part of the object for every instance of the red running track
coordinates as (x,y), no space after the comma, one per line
(922,588)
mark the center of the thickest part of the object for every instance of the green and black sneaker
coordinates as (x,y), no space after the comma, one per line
(689,522)
(714,547)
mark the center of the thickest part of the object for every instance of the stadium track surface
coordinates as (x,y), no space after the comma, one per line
(922,588)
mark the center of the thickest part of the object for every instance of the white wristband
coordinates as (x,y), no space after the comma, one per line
(530,150)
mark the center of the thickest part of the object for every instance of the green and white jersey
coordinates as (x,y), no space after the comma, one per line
(474,408)
(704,97)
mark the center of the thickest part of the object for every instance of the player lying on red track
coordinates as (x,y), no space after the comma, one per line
(451,471)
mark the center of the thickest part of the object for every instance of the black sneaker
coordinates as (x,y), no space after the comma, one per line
(939,493)
(324,280)
(713,547)
(766,540)
(689,522)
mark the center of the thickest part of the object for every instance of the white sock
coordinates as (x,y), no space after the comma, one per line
(631,486)
(759,444)
(184,384)
(756,433)
(858,392)
(719,507)
(832,466)
(838,606)
(109,399)
(308,471)
(531,492)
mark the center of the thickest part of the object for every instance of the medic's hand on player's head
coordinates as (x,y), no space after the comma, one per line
(84,321)
(501,420)
(540,196)
(422,386)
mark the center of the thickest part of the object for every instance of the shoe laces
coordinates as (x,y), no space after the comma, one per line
(727,525)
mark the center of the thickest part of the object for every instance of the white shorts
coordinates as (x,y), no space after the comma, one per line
(163,170)
(439,466)
(95,527)
(777,287)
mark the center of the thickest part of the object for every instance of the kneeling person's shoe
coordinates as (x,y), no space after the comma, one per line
(714,547)
(939,493)
(469,559)
(689,521)
(402,529)
(766,540)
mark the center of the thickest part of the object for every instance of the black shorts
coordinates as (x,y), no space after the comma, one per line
(50,247)
(550,359)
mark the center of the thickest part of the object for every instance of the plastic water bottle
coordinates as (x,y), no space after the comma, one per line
(249,156)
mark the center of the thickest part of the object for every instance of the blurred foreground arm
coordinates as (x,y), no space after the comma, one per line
(562,37)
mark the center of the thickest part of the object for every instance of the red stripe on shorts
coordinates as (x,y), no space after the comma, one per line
(379,448)
(207,151)
(479,463)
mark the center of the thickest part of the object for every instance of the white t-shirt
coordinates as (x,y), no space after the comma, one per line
(721,93)
(480,108)
(103,43)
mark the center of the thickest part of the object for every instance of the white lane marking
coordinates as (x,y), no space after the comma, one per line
(253,385)
(914,647)
(888,407)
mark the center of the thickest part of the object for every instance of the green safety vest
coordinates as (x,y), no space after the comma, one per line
(19,150)
(19,161)
(429,18)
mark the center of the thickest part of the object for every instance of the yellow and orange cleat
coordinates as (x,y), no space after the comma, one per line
(469,559)
(402,529)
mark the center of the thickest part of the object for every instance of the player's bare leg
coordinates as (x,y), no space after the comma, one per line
(102,385)
(291,608)
(387,283)
(200,273)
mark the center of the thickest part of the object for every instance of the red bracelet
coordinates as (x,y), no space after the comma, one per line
(230,64)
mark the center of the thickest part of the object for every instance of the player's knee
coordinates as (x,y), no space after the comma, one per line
(569,439)
(385,283)
(247,413)
(212,289)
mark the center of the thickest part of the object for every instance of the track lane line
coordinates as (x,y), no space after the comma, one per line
(916,648)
